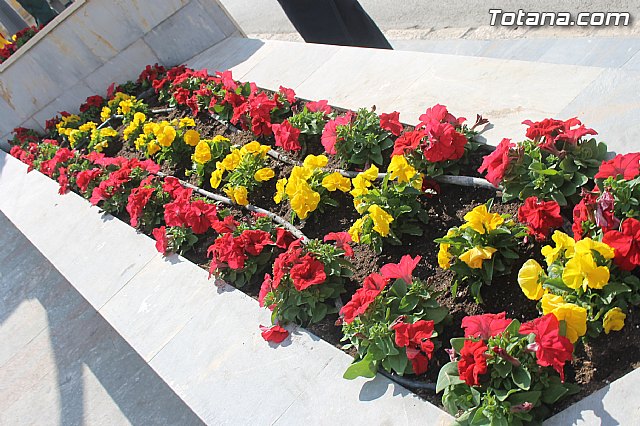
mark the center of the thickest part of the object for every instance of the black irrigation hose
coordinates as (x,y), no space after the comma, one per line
(409,383)
(286,224)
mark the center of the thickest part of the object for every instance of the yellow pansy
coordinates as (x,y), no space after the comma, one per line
(417,182)
(400,169)
(264,174)
(125,106)
(139,117)
(105,113)
(152,147)
(240,195)
(304,202)
(371,173)
(613,320)
(202,154)
(300,173)
(220,138)
(444,257)
(582,271)
(280,190)
(564,246)
(165,134)
(88,126)
(381,219)
(191,137)
(360,185)
(575,317)
(216,178)
(140,141)
(481,221)
(186,122)
(585,246)
(149,128)
(251,148)
(232,160)
(529,279)
(335,181)
(108,132)
(355,230)
(474,257)
(315,161)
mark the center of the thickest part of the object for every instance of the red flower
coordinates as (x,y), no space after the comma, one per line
(363,297)
(92,101)
(266,288)
(85,177)
(484,326)
(285,261)
(445,143)
(307,272)
(552,349)
(321,105)
(275,334)
(472,363)
(254,241)
(260,107)
(627,166)
(284,238)
(287,137)
(439,114)
(160,234)
(342,239)
(583,212)
(391,123)
(136,202)
(63,180)
(540,216)
(626,244)
(226,225)
(496,163)
(605,212)
(416,338)
(226,251)
(329,134)
(402,270)
(408,142)
(289,94)
(548,131)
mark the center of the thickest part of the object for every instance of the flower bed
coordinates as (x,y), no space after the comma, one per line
(373,277)
(17,41)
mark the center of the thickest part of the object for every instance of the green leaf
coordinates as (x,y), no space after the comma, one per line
(553,393)
(448,376)
(521,377)
(399,362)
(366,367)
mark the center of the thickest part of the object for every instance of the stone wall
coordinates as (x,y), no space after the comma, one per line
(96,42)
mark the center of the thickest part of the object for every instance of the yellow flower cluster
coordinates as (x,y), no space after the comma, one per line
(99,138)
(481,220)
(400,169)
(381,222)
(362,182)
(67,124)
(574,316)
(299,187)
(138,120)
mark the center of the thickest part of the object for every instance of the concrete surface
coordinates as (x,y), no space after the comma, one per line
(505,91)
(61,363)
(96,42)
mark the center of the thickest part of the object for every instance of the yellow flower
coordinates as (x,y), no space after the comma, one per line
(585,246)
(280,186)
(355,229)
(360,186)
(335,181)
(186,122)
(166,134)
(371,173)
(564,246)
(125,106)
(191,137)
(400,169)
(152,147)
(149,128)
(304,202)
(139,117)
(582,271)
(203,153)
(381,219)
(444,257)
(264,174)
(105,113)
(529,279)
(216,178)
(220,138)
(108,132)
(315,161)
(251,147)
(140,142)
(474,257)
(613,320)
(481,221)
(88,126)
(232,160)
(240,195)
(574,316)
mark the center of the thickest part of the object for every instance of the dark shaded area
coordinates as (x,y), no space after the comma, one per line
(339,22)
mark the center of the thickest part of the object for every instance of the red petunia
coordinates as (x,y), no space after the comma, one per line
(540,216)
(496,163)
(265,288)
(254,241)
(416,338)
(402,270)
(63,180)
(284,238)
(321,105)
(625,243)
(286,136)
(552,349)
(84,178)
(329,136)
(226,225)
(391,123)
(160,234)
(484,326)
(307,272)
(473,362)
(408,142)
(137,201)
(627,166)
(439,114)
(445,143)
(363,297)
(289,94)
(275,334)
(584,211)
(343,241)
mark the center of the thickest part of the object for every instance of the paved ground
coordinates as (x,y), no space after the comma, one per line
(60,361)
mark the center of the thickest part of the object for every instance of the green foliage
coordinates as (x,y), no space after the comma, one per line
(362,141)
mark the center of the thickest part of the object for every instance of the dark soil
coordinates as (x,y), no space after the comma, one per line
(595,364)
